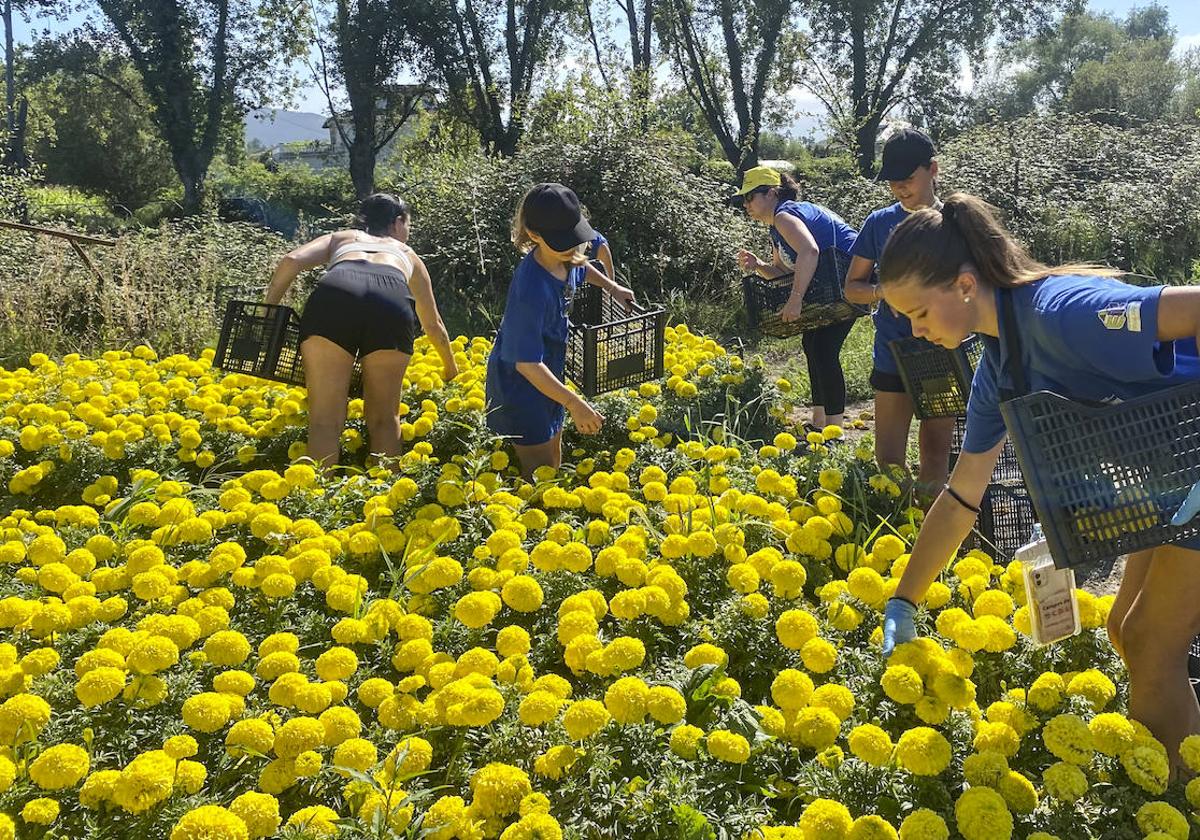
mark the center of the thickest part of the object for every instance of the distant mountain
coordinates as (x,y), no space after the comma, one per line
(272,126)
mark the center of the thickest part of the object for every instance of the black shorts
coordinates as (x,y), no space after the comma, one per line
(888,383)
(362,307)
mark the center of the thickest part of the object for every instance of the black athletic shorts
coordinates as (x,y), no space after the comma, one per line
(888,383)
(362,307)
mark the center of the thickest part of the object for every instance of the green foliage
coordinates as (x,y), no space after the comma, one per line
(98,133)
(1075,189)
(159,287)
(75,208)
(667,226)
(1094,62)
(281,197)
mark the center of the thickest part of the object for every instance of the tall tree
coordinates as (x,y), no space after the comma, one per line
(864,55)
(1090,62)
(14,116)
(100,133)
(369,44)
(486,54)
(737,60)
(204,63)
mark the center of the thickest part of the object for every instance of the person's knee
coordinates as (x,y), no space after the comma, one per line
(1147,649)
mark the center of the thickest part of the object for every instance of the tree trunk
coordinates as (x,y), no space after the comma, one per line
(362,165)
(14,155)
(864,144)
(10,88)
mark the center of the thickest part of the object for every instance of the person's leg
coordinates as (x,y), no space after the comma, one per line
(1136,566)
(893,418)
(383,381)
(810,342)
(934,438)
(827,352)
(1157,633)
(327,369)
(548,454)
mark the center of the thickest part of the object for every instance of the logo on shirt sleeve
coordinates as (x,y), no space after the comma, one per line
(1127,316)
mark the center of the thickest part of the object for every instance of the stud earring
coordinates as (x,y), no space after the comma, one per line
(967,299)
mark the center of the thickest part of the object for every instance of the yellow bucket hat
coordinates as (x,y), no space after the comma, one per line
(759,176)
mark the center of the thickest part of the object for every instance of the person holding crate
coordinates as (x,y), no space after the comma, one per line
(910,168)
(1079,332)
(367,305)
(800,231)
(526,396)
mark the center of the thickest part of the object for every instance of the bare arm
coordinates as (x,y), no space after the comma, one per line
(859,288)
(421,287)
(309,255)
(947,524)
(587,420)
(604,254)
(1179,313)
(797,235)
(596,278)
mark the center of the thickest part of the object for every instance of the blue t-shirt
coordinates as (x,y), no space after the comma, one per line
(889,324)
(1086,338)
(593,250)
(826,227)
(533,329)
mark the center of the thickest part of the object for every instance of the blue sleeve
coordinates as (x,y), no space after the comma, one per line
(985,425)
(1112,328)
(865,245)
(523,325)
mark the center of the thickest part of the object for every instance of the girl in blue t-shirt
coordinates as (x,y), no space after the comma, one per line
(599,252)
(800,231)
(1082,334)
(526,396)
(911,171)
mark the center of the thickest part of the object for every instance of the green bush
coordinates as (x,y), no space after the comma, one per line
(284,197)
(74,208)
(1077,189)
(159,287)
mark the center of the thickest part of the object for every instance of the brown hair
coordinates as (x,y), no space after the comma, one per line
(931,246)
(525,243)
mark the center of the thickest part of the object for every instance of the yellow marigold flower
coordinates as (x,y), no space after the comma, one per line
(923,751)
(253,734)
(997,737)
(685,739)
(1018,793)
(985,769)
(1164,818)
(727,746)
(499,788)
(871,744)
(60,766)
(795,627)
(814,727)
(825,819)
(1065,782)
(666,705)
(626,700)
(981,814)
(259,812)
(903,684)
(1068,738)
(41,811)
(1147,768)
(585,718)
(923,824)
(100,685)
(315,820)
(1094,687)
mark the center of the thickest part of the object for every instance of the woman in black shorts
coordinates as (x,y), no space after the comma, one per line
(367,305)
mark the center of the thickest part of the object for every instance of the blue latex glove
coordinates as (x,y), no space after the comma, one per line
(898,626)
(1190,507)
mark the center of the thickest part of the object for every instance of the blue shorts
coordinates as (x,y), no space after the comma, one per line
(530,424)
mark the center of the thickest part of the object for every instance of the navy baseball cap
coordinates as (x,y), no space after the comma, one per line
(552,211)
(903,152)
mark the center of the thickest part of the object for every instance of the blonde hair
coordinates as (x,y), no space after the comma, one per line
(522,235)
(931,246)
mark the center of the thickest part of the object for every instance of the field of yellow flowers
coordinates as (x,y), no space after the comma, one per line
(675,636)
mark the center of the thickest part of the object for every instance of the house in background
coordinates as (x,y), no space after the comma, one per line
(396,103)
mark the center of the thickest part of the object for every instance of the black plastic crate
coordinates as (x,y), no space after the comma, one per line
(1106,479)
(1008,469)
(260,339)
(937,379)
(263,340)
(609,347)
(824,302)
(1006,519)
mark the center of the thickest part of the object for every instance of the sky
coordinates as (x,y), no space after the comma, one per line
(1185,15)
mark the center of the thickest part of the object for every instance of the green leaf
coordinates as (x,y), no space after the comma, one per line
(692,824)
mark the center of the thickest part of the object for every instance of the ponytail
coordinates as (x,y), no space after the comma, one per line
(788,189)
(931,246)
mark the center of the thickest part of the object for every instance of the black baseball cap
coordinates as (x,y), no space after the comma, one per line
(903,152)
(552,211)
